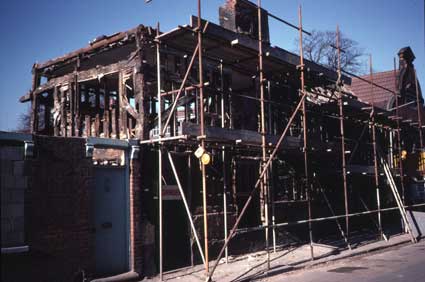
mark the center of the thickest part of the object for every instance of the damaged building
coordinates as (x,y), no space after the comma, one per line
(252,147)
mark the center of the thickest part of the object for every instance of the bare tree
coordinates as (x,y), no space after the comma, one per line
(318,48)
(24,121)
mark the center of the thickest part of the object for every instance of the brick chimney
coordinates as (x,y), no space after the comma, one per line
(241,16)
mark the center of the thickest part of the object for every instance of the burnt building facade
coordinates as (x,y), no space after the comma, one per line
(222,130)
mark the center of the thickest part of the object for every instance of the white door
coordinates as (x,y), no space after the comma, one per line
(110,217)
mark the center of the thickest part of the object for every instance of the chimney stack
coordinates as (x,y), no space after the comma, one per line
(241,16)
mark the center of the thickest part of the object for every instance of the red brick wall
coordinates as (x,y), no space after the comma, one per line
(58,220)
(135,213)
(58,207)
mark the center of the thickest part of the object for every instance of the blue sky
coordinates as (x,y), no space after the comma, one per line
(35,31)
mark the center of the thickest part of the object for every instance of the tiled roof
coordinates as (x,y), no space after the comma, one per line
(380,97)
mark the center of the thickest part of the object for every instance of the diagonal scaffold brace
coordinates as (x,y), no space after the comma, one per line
(257,184)
(186,206)
(397,197)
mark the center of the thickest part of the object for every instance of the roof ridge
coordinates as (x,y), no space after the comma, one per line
(368,75)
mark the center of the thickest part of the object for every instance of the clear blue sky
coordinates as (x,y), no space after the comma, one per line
(39,30)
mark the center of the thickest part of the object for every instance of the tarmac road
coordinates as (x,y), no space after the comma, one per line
(405,263)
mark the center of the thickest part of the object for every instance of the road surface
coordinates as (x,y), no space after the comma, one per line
(404,263)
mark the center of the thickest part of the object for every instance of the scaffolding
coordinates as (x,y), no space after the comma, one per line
(263,182)
(192,115)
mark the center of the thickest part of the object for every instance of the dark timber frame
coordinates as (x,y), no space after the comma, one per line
(185,90)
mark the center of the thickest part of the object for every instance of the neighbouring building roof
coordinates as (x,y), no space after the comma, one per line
(380,97)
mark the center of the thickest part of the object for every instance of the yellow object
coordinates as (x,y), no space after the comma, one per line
(205,159)
(403,154)
(396,160)
(422,161)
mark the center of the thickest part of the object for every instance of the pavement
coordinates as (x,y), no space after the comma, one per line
(289,261)
(401,263)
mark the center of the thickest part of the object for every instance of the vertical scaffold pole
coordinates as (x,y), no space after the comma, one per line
(158,73)
(398,132)
(375,157)
(271,183)
(305,134)
(341,126)
(223,152)
(202,137)
(263,183)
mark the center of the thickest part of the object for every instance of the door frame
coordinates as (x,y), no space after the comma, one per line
(126,146)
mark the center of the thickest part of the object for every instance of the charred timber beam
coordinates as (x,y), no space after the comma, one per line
(34,106)
(26,97)
(139,85)
(129,108)
(106,112)
(63,120)
(56,112)
(83,76)
(120,113)
(107,40)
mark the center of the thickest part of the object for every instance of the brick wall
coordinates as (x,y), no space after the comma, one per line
(58,219)
(59,205)
(135,211)
(14,181)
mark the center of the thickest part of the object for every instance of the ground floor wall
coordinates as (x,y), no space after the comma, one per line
(14,182)
(58,213)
